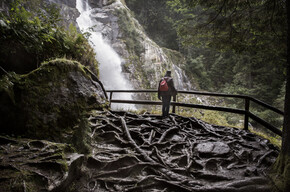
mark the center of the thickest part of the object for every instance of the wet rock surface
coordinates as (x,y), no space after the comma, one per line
(213,148)
(68,11)
(132,152)
(33,165)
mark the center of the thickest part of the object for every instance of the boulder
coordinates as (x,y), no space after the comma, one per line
(213,148)
(49,102)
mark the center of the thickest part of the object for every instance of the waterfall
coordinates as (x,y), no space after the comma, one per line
(182,83)
(110,63)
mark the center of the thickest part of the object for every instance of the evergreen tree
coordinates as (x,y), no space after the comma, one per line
(231,46)
(281,168)
(256,29)
(155,16)
(253,31)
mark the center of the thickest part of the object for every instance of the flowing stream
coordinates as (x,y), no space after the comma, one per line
(110,63)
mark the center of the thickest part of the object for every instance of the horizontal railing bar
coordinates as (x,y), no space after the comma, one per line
(213,94)
(231,110)
(267,106)
(134,91)
(144,102)
(266,124)
(208,94)
(184,92)
(225,109)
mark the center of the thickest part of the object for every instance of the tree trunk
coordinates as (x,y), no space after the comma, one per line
(281,168)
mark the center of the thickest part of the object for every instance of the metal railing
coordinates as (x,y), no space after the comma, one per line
(246,111)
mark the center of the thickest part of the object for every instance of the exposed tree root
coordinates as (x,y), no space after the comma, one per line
(147,153)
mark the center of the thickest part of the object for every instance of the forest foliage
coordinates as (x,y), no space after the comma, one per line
(234,47)
(31,33)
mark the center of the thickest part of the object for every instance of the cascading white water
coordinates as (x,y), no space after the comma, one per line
(181,79)
(110,62)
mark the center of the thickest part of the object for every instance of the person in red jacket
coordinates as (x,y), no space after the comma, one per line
(166,89)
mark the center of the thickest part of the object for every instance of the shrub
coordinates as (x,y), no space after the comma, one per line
(31,35)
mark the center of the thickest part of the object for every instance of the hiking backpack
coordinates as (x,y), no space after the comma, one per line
(163,86)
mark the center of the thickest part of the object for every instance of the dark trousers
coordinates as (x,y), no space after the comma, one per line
(165,105)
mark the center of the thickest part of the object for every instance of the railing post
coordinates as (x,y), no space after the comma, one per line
(173,106)
(111,96)
(247,107)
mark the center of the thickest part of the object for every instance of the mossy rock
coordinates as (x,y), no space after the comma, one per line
(49,101)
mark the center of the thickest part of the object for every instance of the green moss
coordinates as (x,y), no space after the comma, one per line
(32,168)
(175,56)
(130,36)
(32,181)
(61,150)
(33,30)
(274,140)
(81,137)
(24,181)
(140,73)
(280,173)
(7,86)
(57,67)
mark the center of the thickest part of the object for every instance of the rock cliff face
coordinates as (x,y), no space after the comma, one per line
(68,11)
(143,61)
